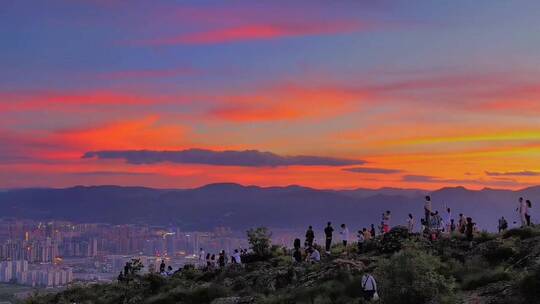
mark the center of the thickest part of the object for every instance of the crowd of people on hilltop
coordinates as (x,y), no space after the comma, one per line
(208,261)
(433,226)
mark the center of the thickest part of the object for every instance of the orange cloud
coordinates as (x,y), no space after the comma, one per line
(288,103)
(146,133)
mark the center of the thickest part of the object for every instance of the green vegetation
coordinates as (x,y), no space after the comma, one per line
(408,269)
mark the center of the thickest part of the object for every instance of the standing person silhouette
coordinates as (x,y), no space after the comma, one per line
(344,234)
(522,209)
(310,236)
(328,231)
(410,223)
(427,210)
(528,205)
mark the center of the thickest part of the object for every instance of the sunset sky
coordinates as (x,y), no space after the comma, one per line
(326,94)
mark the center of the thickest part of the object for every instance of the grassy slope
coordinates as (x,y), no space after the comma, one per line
(409,269)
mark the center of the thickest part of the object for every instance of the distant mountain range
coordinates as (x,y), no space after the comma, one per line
(241,207)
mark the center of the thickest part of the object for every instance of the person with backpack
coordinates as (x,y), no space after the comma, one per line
(328,231)
(310,236)
(344,235)
(369,287)
(503,224)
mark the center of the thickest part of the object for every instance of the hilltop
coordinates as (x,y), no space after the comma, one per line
(495,269)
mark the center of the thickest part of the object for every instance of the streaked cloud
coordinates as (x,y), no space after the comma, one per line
(370,170)
(513,173)
(289,102)
(250,32)
(246,158)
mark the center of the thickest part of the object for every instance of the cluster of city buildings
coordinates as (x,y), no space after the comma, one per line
(56,253)
(39,275)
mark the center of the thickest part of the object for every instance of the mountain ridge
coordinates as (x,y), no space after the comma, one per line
(288,207)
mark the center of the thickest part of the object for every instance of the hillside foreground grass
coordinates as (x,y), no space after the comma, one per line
(409,269)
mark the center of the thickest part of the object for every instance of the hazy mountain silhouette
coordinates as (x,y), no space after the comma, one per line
(245,206)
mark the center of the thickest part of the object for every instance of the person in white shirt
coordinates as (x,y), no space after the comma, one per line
(369,287)
(236,257)
(315,255)
(410,223)
(522,209)
(344,234)
(447,220)
(202,257)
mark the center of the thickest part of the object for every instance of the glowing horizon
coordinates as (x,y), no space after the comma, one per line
(349,95)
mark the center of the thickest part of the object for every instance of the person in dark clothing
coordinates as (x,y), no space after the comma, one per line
(372,231)
(310,236)
(297,255)
(296,244)
(328,231)
(361,240)
(452,226)
(162,267)
(503,224)
(469,229)
(427,209)
(527,213)
(208,261)
(221,259)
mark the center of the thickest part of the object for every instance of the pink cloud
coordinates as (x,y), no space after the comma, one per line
(257,32)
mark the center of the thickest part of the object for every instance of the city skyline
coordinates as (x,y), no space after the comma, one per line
(358,94)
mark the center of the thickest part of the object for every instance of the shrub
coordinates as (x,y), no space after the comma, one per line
(499,254)
(522,233)
(392,241)
(485,236)
(478,279)
(259,240)
(206,294)
(414,277)
(529,286)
